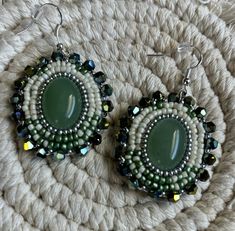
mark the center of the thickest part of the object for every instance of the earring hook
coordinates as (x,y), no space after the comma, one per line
(183,48)
(36,16)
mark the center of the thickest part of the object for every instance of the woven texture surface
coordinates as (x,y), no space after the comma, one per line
(89,194)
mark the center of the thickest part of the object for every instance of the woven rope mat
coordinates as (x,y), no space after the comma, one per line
(89,194)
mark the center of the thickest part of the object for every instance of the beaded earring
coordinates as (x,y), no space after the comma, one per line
(60,104)
(165,142)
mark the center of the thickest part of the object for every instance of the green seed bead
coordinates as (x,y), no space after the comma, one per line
(146,172)
(52,137)
(156,178)
(161,188)
(70,145)
(172,186)
(129,162)
(162,180)
(166,187)
(58,138)
(65,139)
(56,146)
(50,145)
(75,143)
(70,137)
(64,147)
(150,176)
(135,171)
(33,132)
(148,182)
(154,185)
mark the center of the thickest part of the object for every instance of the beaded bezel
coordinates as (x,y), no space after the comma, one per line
(45,138)
(132,155)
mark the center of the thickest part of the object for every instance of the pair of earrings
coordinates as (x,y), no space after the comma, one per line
(165,143)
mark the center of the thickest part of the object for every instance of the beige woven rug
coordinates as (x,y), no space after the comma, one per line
(89,194)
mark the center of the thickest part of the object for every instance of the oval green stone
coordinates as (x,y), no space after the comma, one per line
(62,103)
(167,143)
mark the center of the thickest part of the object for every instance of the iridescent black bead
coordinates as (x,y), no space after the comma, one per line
(173,97)
(203,175)
(122,137)
(107,106)
(125,122)
(17,98)
(189,101)
(99,77)
(209,127)
(96,139)
(211,143)
(123,169)
(89,65)
(43,62)
(18,115)
(57,56)
(41,153)
(22,131)
(119,151)
(30,71)
(106,90)
(158,96)
(133,110)
(20,83)
(200,112)
(74,58)
(191,189)
(209,159)
(103,124)
(145,102)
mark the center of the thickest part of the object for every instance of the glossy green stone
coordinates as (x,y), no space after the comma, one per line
(62,103)
(167,143)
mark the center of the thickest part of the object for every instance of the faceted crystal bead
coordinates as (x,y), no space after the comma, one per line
(84,150)
(22,131)
(189,101)
(99,77)
(59,156)
(200,112)
(173,97)
(145,102)
(158,96)
(41,153)
(57,56)
(74,58)
(89,65)
(203,175)
(125,122)
(43,62)
(209,127)
(104,124)
(107,106)
(133,110)
(106,90)
(28,145)
(20,83)
(209,159)
(16,98)
(191,189)
(211,143)
(96,139)
(18,115)
(173,196)
(29,71)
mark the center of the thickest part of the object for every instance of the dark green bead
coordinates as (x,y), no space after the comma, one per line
(63,147)
(30,71)
(57,56)
(56,146)
(203,175)
(200,112)
(173,97)
(191,113)
(75,143)
(89,65)
(133,110)
(74,58)
(75,136)
(135,171)
(58,138)
(42,131)
(189,101)
(209,127)
(211,143)
(70,137)
(209,159)
(158,96)
(50,145)
(104,124)
(51,137)
(107,106)
(129,162)
(159,105)
(70,145)
(65,139)
(191,189)
(150,176)
(145,102)
(106,90)
(99,77)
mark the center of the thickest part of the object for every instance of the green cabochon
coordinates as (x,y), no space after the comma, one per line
(62,103)
(167,143)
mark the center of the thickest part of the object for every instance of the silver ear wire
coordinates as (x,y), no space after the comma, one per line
(183,48)
(37,15)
